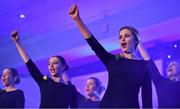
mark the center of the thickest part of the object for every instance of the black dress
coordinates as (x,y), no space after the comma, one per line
(168,91)
(84,102)
(53,94)
(13,99)
(126,76)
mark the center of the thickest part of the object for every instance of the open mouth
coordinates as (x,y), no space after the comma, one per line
(124,44)
(52,70)
(170,69)
(4,80)
(87,90)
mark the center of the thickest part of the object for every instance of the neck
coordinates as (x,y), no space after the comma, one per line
(177,78)
(10,88)
(56,79)
(128,55)
(94,97)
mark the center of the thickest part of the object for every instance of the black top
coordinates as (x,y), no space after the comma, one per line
(13,99)
(53,94)
(168,91)
(126,76)
(84,102)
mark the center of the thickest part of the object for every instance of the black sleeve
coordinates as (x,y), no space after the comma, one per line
(69,83)
(34,71)
(20,102)
(155,74)
(80,97)
(147,90)
(98,49)
(74,100)
(0,98)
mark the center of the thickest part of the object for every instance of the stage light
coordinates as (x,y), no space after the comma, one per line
(22,16)
(169,56)
(175,45)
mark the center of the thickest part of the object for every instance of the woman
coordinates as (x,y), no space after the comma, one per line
(126,73)
(173,71)
(93,90)
(54,93)
(167,88)
(10,96)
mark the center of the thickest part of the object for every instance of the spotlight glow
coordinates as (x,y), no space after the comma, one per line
(169,56)
(175,45)
(22,16)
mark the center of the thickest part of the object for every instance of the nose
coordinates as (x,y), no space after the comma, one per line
(123,38)
(87,86)
(51,65)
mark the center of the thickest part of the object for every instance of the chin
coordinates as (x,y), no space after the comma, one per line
(124,51)
(5,84)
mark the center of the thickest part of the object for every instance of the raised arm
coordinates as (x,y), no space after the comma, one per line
(153,70)
(74,13)
(95,45)
(16,40)
(34,71)
(143,52)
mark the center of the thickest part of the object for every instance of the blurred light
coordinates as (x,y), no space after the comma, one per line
(22,16)
(169,56)
(175,45)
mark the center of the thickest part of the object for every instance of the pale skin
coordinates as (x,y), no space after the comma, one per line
(173,71)
(74,13)
(54,65)
(8,81)
(127,40)
(90,87)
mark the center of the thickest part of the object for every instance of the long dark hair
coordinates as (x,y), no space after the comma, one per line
(99,86)
(134,32)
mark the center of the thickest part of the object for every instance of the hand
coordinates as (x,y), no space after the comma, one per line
(74,12)
(15,36)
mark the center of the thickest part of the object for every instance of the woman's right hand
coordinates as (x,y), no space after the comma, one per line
(15,36)
(74,12)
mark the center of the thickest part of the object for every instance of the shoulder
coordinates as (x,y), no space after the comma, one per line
(19,91)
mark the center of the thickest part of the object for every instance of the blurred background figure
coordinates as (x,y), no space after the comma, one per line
(10,96)
(173,71)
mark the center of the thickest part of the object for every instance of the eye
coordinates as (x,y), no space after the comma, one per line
(49,63)
(55,63)
(127,35)
(120,37)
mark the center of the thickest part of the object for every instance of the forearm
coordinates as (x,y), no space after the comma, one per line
(22,52)
(155,74)
(143,52)
(83,28)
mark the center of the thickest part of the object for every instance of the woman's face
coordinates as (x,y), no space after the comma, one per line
(55,66)
(90,87)
(7,78)
(127,41)
(172,70)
